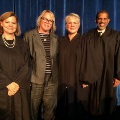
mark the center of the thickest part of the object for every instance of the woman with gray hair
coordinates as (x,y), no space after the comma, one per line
(67,108)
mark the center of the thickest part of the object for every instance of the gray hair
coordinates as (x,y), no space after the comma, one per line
(73,15)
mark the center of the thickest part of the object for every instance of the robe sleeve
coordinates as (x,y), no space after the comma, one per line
(4,80)
(117,59)
(23,77)
(91,60)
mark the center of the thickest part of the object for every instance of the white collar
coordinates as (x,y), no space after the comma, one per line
(102,31)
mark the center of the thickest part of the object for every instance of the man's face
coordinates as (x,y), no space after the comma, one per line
(102,21)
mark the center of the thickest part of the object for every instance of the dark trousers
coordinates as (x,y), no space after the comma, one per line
(44,96)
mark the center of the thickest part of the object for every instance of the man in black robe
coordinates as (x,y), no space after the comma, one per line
(99,71)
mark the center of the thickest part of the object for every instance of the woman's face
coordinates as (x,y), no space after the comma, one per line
(72,25)
(46,23)
(9,25)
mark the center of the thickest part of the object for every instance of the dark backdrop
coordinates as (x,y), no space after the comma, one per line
(28,11)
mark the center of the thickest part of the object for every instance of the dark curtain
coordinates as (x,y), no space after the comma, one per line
(28,11)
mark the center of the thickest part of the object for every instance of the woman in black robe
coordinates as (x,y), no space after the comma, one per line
(15,71)
(67,85)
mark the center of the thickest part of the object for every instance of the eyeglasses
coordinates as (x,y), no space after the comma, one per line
(46,20)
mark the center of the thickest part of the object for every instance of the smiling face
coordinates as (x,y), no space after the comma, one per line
(46,23)
(72,25)
(9,25)
(102,21)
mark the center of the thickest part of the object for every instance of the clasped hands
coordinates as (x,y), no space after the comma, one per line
(12,88)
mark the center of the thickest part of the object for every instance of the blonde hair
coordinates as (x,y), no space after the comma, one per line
(52,16)
(6,15)
(73,15)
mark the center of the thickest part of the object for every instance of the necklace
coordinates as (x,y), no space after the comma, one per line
(45,39)
(12,45)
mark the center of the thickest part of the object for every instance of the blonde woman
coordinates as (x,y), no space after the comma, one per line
(43,48)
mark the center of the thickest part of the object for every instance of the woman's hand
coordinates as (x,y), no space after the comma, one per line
(12,88)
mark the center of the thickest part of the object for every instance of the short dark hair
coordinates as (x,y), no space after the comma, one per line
(102,11)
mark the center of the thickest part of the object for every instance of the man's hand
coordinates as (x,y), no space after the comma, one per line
(116,82)
(84,86)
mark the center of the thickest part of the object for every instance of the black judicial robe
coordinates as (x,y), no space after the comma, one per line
(100,65)
(67,84)
(15,67)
